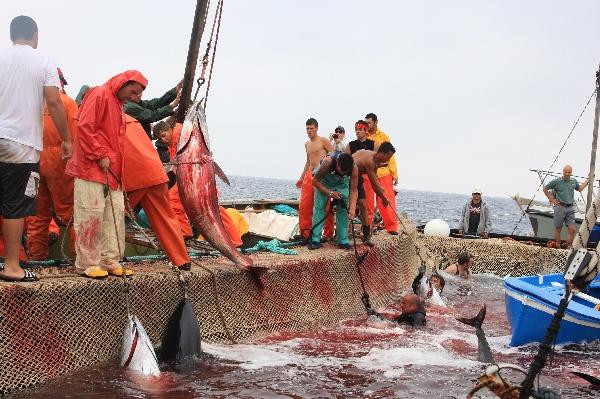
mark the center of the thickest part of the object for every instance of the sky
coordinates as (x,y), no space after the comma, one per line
(471,93)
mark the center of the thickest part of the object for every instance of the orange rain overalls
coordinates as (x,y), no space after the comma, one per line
(146,182)
(55,186)
(305,209)
(386,174)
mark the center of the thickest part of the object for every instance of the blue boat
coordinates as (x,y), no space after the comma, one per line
(531,302)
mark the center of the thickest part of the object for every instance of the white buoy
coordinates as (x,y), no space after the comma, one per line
(437,227)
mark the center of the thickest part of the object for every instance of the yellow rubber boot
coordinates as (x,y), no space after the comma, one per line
(119,271)
(95,272)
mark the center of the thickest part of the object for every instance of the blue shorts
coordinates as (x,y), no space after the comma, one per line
(563,214)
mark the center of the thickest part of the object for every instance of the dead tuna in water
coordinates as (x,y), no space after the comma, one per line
(484,352)
(137,352)
(181,339)
(198,189)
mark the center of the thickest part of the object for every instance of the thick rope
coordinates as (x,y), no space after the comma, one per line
(218,299)
(62,243)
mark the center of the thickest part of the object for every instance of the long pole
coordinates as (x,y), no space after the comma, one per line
(192,58)
(594,144)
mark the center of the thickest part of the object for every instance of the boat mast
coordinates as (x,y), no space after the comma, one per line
(192,58)
(594,144)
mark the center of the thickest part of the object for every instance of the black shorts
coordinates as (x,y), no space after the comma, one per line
(14,203)
(361,188)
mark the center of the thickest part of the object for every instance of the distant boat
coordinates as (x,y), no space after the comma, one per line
(531,302)
(541,214)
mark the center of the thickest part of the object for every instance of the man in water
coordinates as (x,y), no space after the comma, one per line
(335,179)
(387,175)
(316,148)
(564,195)
(476,218)
(434,281)
(413,312)
(368,163)
(27,78)
(462,267)
(363,143)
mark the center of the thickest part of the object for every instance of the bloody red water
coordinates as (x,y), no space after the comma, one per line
(362,358)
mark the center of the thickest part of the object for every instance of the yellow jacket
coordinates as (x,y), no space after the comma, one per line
(380,137)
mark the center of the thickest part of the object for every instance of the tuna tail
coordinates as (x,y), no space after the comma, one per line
(182,333)
(476,321)
(589,378)
(256,272)
(484,352)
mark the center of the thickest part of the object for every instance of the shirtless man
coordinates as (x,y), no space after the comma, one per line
(368,162)
(316,148)
(363,143)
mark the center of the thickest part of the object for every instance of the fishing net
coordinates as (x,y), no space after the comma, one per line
(66,321)
(497,256)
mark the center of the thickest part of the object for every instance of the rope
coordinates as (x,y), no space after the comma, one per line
(540,359)
(305,240)
(360,259)
(218,299)
(126,286)
(62,243)
(556,158)
(274,246)
(212,64)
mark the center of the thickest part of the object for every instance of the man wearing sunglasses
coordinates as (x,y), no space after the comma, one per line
(476,219)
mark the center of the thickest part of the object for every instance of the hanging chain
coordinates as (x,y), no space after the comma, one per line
(219,12)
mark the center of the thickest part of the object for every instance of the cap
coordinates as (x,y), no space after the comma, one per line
(476,191)
(339,128)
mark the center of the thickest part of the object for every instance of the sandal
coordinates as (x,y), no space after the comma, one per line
(29,277)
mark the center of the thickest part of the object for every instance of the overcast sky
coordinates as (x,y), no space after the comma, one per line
(471,93)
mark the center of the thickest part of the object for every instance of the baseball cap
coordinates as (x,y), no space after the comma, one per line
(476,191)
(339,128)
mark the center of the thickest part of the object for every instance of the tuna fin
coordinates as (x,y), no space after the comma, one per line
(219,172)
(256,272)
(476,321)
(589,378)
(484,352)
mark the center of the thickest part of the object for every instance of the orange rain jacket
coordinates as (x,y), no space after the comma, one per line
(51,163)
(143,167)
(101,130)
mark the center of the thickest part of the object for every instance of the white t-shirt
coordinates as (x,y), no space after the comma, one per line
(24,72)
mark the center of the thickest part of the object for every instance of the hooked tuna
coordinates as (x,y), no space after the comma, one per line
(484,352)
(137,352)
(182,333)
(198,189)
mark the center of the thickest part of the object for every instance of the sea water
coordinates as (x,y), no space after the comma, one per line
(359,358)
(420,206)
